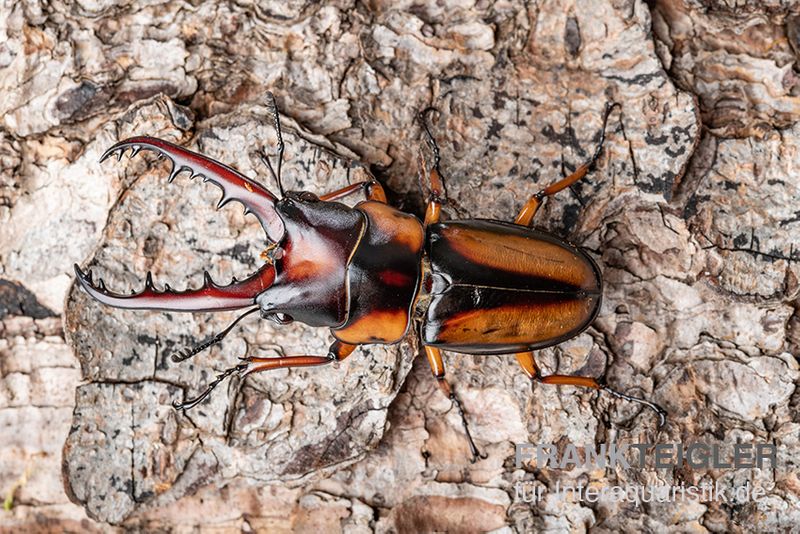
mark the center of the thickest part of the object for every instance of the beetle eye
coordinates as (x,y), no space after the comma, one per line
(280,318)
(308,196)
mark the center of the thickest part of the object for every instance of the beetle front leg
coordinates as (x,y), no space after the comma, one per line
(338,351)
(528,363)
(437,367)
(373,190)
(528,211)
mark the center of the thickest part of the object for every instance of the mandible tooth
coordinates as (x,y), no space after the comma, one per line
(207,281)
(174,172)
(148,281)
(135,150)
(101,285)
(167,288)
(119,153)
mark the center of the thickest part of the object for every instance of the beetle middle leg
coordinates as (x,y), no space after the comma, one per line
(528,211)
(338,351)
(528,363)
(438,195)
(437,367)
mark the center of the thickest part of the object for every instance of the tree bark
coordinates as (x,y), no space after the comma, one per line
(691,214)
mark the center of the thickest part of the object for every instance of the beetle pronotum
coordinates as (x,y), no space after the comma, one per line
(371,273)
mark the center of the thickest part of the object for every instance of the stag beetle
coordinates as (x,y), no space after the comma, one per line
(371,273)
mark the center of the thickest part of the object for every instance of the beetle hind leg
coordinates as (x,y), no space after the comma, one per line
(528,364)
(528,211)
(434,356)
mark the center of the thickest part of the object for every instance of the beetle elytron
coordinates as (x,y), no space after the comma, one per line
(370,273)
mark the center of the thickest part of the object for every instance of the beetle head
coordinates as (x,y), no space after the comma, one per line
(311,284)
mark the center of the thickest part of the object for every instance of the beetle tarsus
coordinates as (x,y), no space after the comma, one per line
(473,449)
(662,413)
(437,196)
(191,403)
(423,118)
(599,150)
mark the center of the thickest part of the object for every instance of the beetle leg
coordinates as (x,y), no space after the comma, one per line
(209,297)
(338,351)
(372,190)
(235,186)
(437,367)
(437,196)
(528,364)
(528,211)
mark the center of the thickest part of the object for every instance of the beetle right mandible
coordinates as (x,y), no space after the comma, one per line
(372,273)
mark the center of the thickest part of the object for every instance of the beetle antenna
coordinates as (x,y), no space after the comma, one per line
(662,413)
(273,106)
(423,118)
(187,353)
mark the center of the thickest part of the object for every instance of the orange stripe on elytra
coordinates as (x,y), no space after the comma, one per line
(519,255)
(517,324)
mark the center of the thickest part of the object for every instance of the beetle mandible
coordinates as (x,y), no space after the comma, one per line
(371,273)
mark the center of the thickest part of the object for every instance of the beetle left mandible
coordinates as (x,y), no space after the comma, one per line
(371,273)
